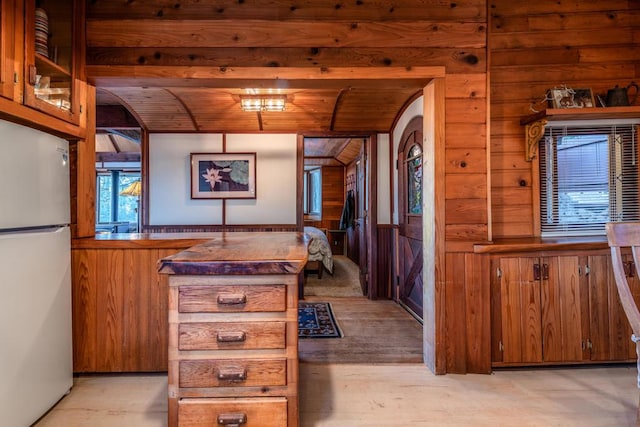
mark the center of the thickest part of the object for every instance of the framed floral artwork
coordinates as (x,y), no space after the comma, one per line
(223,175)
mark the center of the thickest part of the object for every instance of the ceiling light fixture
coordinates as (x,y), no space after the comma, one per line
(268,103)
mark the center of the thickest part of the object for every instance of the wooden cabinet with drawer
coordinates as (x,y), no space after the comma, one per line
(233,340)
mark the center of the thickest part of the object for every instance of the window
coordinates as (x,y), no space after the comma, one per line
(312,199)
(115,211)
(414,180)
(588,177)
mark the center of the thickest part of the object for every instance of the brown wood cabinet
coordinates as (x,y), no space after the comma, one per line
(41,59)
(51,66)
(233,331)
(557,309)
(10,37)
(540,316)
(610,332)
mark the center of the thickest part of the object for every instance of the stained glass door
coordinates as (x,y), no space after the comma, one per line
(410,288)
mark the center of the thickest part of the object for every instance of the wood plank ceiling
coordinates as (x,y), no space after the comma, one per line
(181,65)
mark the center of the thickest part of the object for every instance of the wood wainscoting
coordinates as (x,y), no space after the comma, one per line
(120,304)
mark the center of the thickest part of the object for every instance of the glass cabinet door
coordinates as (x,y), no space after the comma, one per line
(8,41)
(50,84)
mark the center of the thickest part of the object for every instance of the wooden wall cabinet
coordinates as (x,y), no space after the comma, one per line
(10,38)
(41,59)
(51,66)
(557,310)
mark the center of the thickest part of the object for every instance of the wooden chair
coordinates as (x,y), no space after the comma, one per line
(626,234)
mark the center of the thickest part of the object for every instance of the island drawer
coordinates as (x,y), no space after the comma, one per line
(232,298)
(256,412)
(232,373)
(231,335)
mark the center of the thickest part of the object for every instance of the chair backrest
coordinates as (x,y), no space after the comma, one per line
(621,235)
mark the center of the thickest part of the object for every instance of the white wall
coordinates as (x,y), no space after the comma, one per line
(170,200)
(384,175)
(415,109)
(275,180)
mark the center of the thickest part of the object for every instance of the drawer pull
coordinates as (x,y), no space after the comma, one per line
(232,374)
(231,336)
(232,299)
(232,420)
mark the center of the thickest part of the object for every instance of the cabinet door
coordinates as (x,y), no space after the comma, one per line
(609,330)
(562,339)
(520,309)
(50,58)
(9,37)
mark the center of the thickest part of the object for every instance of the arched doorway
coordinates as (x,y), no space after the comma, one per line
(410,290)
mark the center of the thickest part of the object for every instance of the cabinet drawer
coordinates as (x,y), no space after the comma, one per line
(231,335)
(259,412)
(233,373)
(231,298)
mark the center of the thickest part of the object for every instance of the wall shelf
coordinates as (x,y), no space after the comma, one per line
(535,123)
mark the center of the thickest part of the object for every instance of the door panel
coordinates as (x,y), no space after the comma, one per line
(410,266)
(410,286)
(510,301)
(531,311)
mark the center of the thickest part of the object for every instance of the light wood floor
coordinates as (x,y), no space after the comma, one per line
(353,395)
(342,384)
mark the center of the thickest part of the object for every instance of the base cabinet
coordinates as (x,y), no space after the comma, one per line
(540,315)
(233,350)
(558,309)
(610,332)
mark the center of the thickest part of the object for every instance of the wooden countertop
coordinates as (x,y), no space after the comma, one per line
(533,244)
(241,253)
(142,240)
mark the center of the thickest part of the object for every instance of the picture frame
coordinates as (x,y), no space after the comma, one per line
(584,98)
(223,175)
(566,97)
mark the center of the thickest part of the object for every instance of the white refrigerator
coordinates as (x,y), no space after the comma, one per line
(36,367)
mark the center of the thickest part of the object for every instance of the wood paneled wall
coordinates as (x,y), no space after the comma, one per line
(120,309)
(333,195)
(535,46)
(314,33)
(307,33)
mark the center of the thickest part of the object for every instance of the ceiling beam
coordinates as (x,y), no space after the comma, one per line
(273,77)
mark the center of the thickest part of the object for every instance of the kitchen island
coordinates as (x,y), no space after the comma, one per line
(233,329)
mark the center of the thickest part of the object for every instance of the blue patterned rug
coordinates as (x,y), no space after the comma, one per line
(316,320)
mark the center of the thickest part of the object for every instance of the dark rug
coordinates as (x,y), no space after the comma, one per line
(316,320)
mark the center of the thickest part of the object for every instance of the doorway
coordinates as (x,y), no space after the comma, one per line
(342,215)
(410,201)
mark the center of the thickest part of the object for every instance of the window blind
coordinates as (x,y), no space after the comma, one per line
(588,177)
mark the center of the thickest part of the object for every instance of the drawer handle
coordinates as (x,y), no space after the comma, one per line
(231,336)
(232,374)
(232,420)
(232,299)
